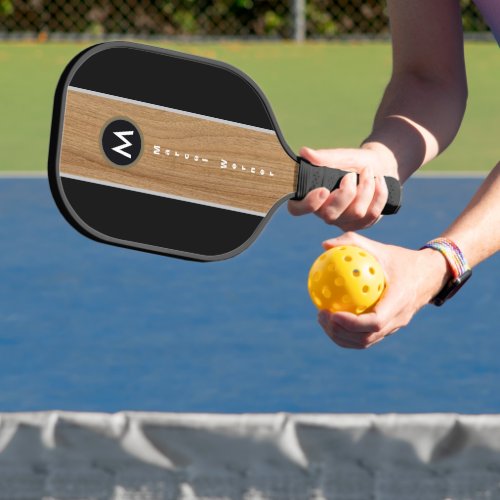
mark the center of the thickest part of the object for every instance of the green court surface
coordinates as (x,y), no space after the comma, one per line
(323,94)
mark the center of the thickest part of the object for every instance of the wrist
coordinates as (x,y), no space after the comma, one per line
(437,272)
(386,157)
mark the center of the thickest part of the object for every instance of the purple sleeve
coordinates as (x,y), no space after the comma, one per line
(490,9)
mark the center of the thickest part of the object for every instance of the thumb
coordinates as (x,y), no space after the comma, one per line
(349,238)
(378,250)
(351,159)
(311,155)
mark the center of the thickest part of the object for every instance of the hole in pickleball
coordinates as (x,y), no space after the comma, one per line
(348,258)
(379,287)
(317,300)
(366,289)
(356,273)
(346,299)
(327,293)
(372,270)
(317,276)
(360,309)
(339,281)
(362,254)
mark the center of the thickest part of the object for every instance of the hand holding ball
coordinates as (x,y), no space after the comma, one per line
(346,278)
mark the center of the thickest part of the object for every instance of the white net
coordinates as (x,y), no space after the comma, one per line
(155,456)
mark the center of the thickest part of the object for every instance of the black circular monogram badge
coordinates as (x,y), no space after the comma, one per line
(121,142)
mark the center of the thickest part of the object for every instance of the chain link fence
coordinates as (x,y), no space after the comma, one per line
(284,19)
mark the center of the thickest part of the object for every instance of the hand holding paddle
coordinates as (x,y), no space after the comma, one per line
(360,199)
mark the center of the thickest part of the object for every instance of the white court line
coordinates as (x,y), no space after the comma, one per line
(171,110)
(162,195)
(13,174)
(455,174)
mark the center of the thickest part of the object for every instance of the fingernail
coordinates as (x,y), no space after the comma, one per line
(324,194)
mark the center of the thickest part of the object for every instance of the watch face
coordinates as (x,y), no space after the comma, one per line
(451,288)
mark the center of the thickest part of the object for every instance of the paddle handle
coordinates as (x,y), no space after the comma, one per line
(312,177)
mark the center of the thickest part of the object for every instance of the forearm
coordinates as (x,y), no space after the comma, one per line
(424,102)
(414,278)
(477,230)
(416,120)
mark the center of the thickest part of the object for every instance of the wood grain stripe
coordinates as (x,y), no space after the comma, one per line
(190,150)
(172,110)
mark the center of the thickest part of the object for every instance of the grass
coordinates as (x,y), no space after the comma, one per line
(323,94)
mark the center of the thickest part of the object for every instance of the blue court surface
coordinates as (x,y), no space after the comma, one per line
(85,326)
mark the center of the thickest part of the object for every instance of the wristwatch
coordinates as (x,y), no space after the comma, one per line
(460,270)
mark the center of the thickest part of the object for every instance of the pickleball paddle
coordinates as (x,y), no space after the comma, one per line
(172,153)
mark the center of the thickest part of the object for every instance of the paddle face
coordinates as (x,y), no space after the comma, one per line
(164,152)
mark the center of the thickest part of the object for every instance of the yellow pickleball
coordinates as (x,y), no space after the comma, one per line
(346,278)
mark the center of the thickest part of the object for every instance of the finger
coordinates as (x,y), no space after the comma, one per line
(344,344)
(364,324)
(362,340)
(365,191)
(384,319)
(311,203)
(346,338)
(352,218)
(338,334)
(359,224)
(374,221)
(392,311)
(376,338)
(355,339)
(372,343)
(338,201)
(341,340)
(312,156)
(380,195)
(393,332)
(324,318)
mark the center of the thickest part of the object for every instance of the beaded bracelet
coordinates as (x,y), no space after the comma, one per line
(452,254)
(460,269)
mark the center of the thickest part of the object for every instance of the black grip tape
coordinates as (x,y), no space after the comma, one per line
(312,177)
